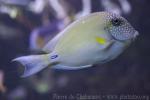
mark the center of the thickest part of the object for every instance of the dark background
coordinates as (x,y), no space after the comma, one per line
(129,74)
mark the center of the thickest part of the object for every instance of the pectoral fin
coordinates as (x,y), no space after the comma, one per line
(101,40)
(108,45)
(105,44)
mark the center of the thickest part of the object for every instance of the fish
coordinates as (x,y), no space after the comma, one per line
(93,39)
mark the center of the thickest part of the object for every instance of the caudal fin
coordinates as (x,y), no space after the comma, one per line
(33,63)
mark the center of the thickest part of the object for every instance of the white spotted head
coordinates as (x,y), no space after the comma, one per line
(119,27)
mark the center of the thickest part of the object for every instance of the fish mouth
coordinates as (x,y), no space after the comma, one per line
(136,34)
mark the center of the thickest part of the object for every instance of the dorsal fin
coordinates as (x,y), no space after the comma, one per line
(52,43)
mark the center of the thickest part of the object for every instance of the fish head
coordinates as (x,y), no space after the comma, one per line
(118,27)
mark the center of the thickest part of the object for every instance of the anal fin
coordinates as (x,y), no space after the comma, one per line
(62,67)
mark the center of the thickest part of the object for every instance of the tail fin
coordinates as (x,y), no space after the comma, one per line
(33,63)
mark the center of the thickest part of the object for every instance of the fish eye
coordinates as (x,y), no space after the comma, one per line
(116,22)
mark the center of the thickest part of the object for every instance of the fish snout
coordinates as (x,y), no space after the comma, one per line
(136,34)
